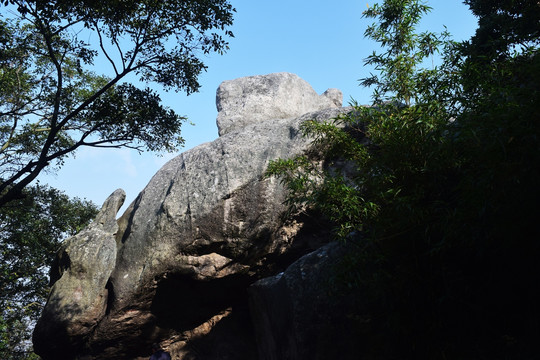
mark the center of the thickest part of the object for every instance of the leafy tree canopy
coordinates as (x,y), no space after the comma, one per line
(52,103)
(504,26)
(435,186)
(31,230)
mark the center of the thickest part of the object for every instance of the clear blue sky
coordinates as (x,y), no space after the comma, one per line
(320,41)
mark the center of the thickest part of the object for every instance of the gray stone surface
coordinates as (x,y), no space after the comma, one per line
(253,99)
(207,225)
(78,298)
(210,203)
(297,317)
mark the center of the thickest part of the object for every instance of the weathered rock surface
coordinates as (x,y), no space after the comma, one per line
(78,298)
(207,226)
(253,99)
(295,317)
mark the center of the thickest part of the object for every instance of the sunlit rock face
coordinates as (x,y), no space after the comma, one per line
(207,226)
(260,98)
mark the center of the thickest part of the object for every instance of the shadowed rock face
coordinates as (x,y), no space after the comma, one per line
(78,298)
(176,267)
(295,318)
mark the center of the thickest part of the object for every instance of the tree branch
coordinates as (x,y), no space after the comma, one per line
(121,53)
(103,49)
(8,141)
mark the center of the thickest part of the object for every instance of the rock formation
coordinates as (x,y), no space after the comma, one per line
(256,99)
(78,298)
(176,267)
(293,316)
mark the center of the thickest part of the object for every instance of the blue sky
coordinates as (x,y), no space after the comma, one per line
(320,41)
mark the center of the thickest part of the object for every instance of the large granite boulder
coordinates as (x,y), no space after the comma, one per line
(207,225)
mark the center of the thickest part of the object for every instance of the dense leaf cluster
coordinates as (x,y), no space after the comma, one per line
(31,230)
(51,99)
(436,185)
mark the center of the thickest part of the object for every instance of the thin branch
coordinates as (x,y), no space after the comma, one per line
(12,132)
(121,53)
(123,143)
(45,32)
(17,113)
(103,48)
(94,97)
(136,49)
(62,28)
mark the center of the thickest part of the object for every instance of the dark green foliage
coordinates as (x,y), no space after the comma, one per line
(436,183)
(31,230)
(52,103)
(504,26)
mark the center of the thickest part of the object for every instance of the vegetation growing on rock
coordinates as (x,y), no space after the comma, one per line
(436,183)
(32,229)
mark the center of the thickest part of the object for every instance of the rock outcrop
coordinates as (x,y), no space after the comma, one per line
(295,318)
(177,266)
(78,298)
(255,99)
